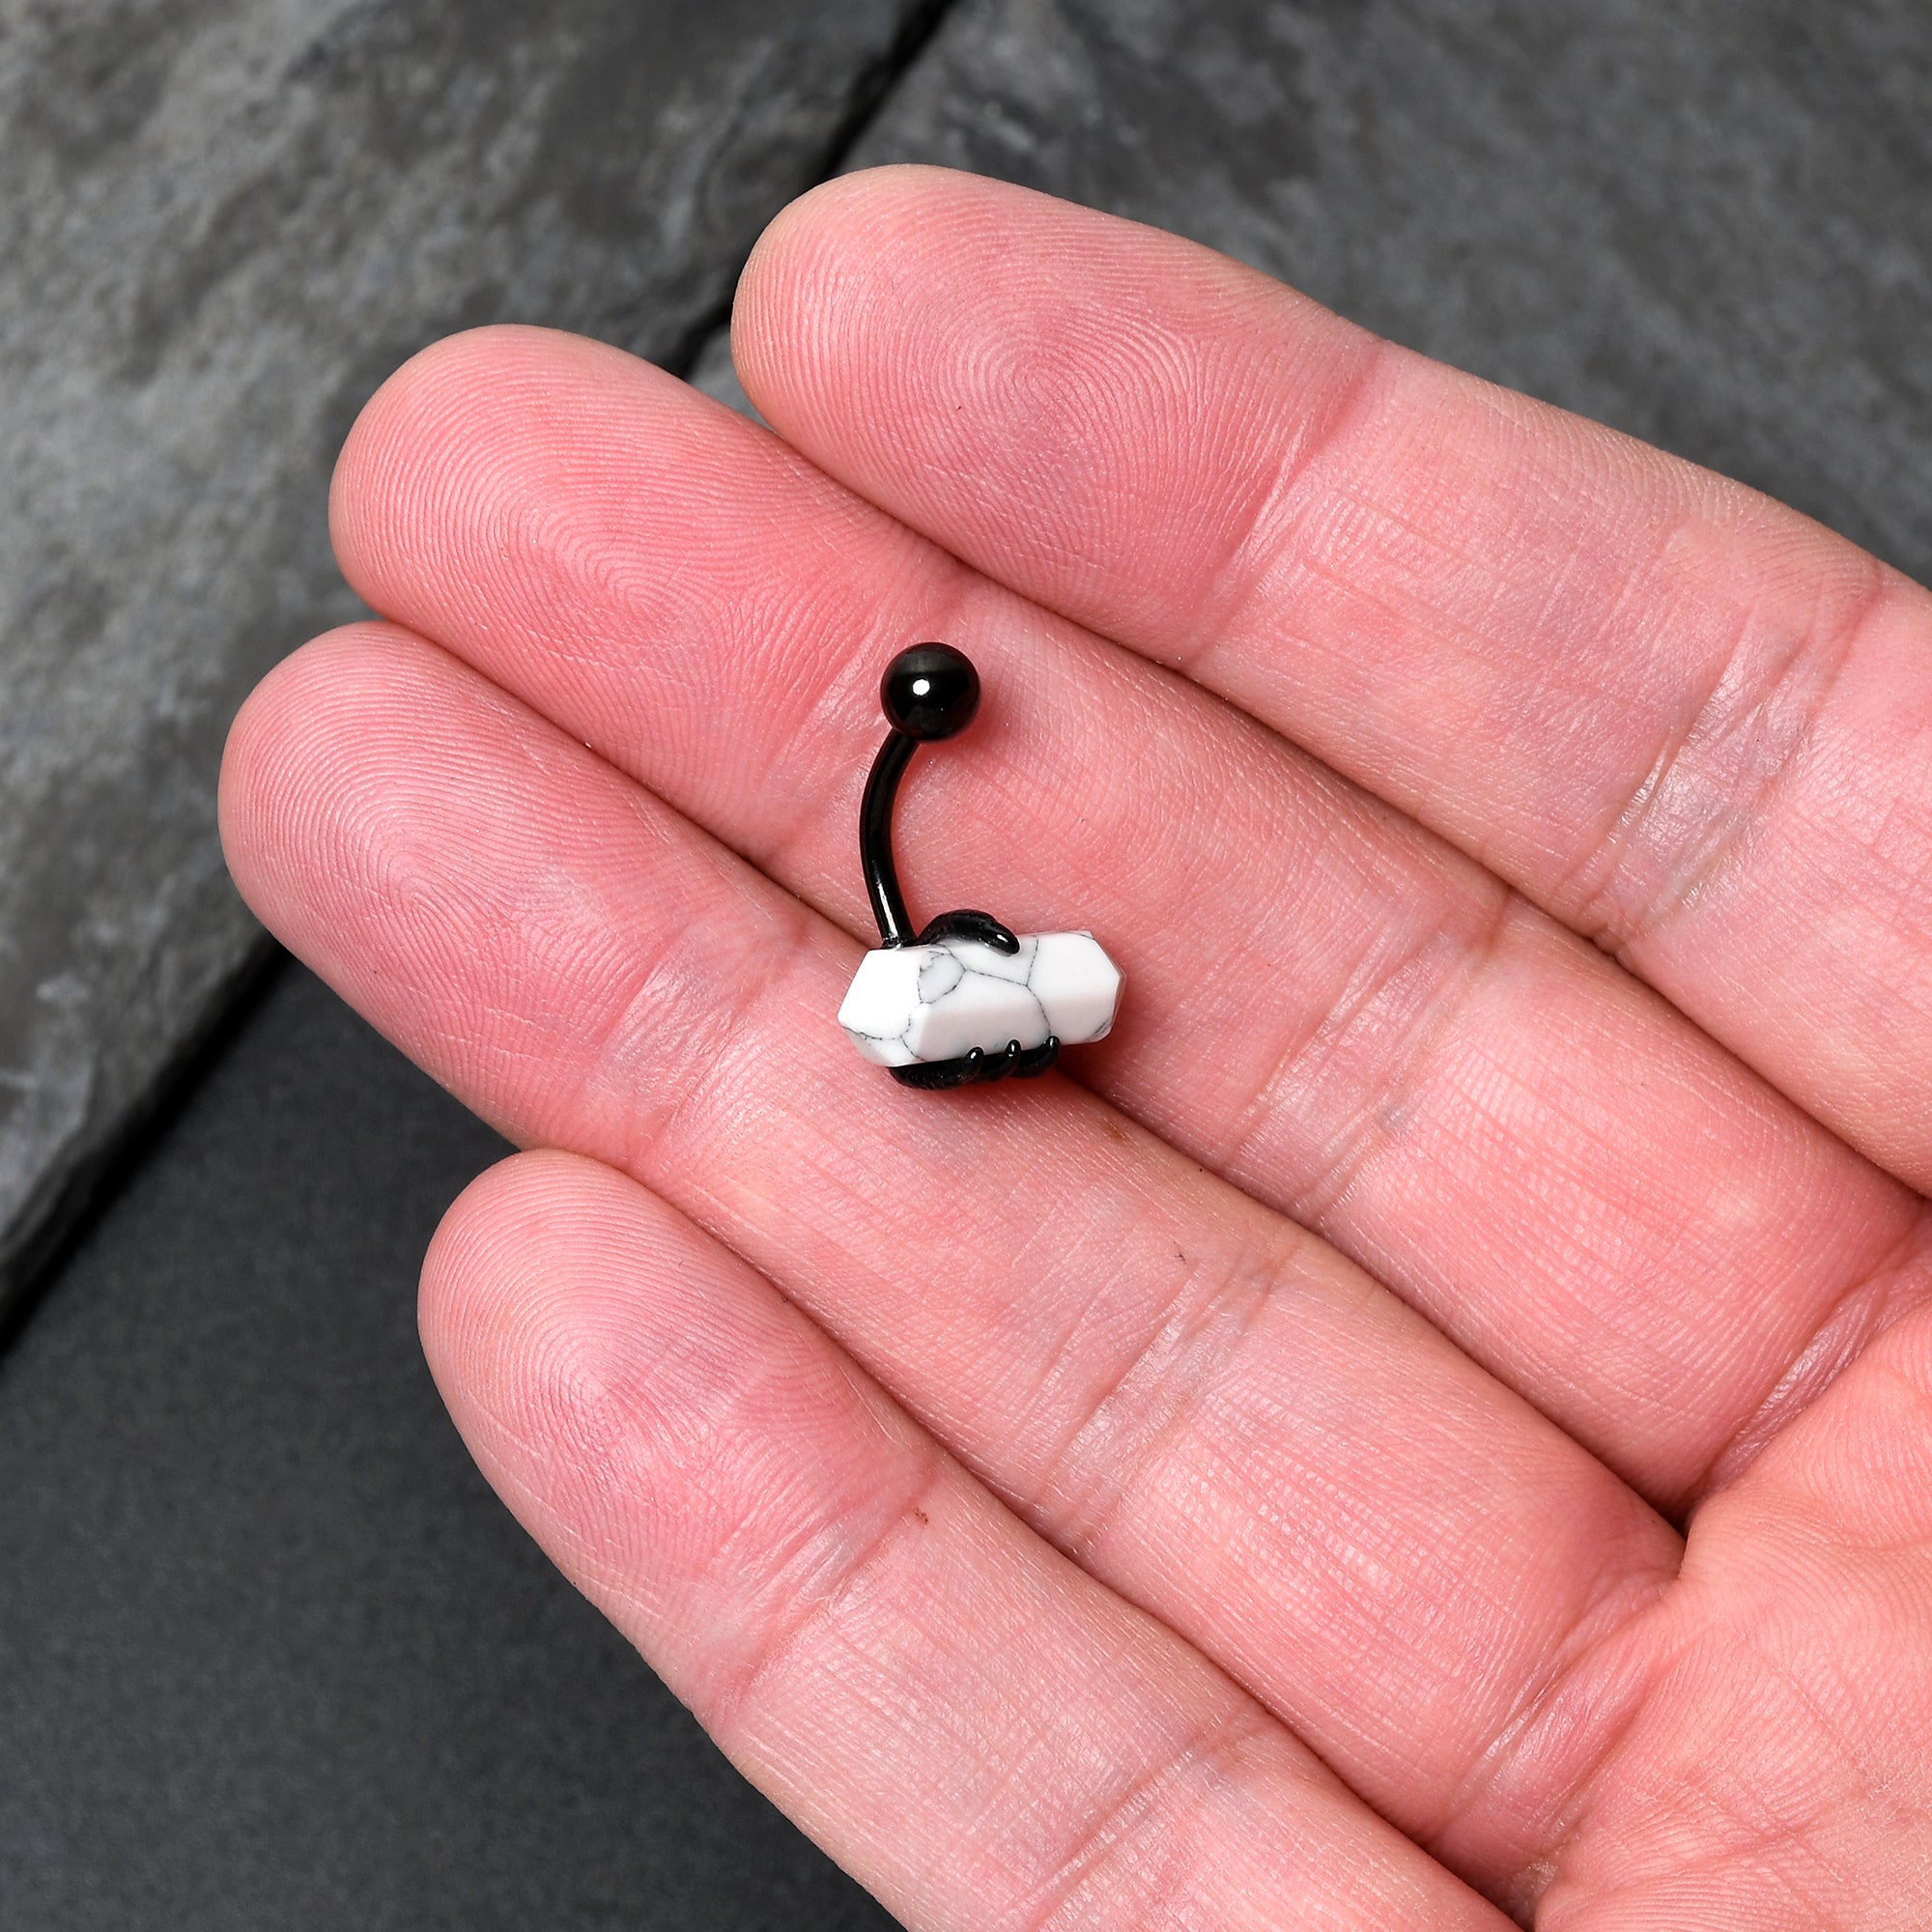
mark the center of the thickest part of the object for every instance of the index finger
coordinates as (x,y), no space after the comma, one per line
(1689,722)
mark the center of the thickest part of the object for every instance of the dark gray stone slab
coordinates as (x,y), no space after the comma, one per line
(222,222)
(714,373)
(271,1655)
(1708,223)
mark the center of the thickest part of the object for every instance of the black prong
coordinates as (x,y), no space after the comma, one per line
(966,923)
(875,839)
(937,1076)
(1037,1059)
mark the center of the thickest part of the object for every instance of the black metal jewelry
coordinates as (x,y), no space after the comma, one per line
(965,999)
(928,694)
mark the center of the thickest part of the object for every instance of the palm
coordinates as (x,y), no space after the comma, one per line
(1193,1578)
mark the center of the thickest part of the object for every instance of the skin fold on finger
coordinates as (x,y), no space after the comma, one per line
(1775,1777)
(1327,1004)
(1690,722)
(964,1719)
(1216,1414)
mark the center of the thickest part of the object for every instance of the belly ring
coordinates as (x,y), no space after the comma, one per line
(967,1000)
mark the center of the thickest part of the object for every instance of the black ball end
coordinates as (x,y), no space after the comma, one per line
(930,691)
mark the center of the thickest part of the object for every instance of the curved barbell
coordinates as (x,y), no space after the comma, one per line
(967,1000)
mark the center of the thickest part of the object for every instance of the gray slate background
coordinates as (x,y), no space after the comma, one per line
(222,222)
(270,1656)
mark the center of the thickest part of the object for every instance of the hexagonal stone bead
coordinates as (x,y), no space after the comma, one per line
(911,1004)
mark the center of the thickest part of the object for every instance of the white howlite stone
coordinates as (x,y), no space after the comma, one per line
(909,1004)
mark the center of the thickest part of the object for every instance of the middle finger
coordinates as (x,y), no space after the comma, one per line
(1327,1004)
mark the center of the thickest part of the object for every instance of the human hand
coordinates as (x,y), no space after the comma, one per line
(1031,1487)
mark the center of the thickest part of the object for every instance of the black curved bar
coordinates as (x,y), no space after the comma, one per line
(939,1076)
(967,924)
(876,838)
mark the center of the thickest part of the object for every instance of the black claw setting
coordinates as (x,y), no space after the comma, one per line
(966,923)
(970,1069)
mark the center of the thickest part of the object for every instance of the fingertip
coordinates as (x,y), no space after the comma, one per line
(630,1387)
(828,217)
(554,1269)
(952,348)
(504,1273)
(362,489)
(450,407)
(827,260)
(270,754)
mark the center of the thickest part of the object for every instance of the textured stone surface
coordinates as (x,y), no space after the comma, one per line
(1708,223)
(942,1000)
(223,222)
(273,1658)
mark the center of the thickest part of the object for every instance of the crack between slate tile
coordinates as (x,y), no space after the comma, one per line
(873,87)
